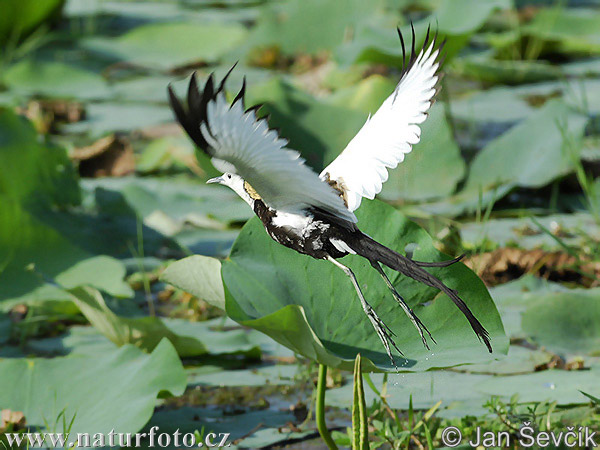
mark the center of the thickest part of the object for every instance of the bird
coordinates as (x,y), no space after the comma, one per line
(312,213)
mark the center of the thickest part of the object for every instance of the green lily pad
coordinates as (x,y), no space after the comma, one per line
(561,386)
(109,117)
(426,390)
(311,307)
(578,228)
(247,425)
(77,340)
(167,45)
(39,260)
(102,392)
(188,338)
(570,30)
(519,360)
(483,67)
(259,376)
(302,26)
(565,322)
(199,275)
(55,79)
(456,20)
(543,154)
(45,177)
(513,298)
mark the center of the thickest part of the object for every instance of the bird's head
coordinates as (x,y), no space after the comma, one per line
(228,179)
(236,183)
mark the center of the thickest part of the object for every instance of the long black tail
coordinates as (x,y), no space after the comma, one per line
(374,251)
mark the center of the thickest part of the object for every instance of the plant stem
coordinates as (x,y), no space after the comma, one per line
(320,408)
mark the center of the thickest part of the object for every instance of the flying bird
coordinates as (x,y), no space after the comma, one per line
(314,214)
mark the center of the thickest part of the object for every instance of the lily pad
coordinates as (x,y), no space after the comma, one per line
(108,117)
(102,392)
(55,79)
(39,260)
(513,299)
(188,338)
(426,390)
(167,45)
(247,425)
(311,307)
(456,20)
(577,228)
(199,275)
(259,376)
(543,154)
(571,30)
(301,26)
(565,322)
(561,386)
(483,67)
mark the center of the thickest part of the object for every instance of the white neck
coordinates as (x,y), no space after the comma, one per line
(237,185)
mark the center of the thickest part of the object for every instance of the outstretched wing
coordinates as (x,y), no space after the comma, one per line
(240,142)
(383,141)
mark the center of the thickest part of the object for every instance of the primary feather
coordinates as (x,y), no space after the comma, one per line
(383,141)
(240,142)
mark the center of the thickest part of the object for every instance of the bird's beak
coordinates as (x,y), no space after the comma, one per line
(215,180)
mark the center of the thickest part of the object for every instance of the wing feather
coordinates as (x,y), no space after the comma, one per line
(387,136)
(238,141)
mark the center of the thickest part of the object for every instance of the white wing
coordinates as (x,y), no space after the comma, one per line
(239,142)
(383,141)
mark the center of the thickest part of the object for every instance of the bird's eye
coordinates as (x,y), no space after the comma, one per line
(229,176)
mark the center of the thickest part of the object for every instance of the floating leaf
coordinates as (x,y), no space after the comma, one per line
(189,339)
(573,30)
(565,322)
(456,20)
(483,67)
(129,383)
(199,275)
(307,26)
(167,45)
(108,117)
(543,156)
(55,79)
(561,386)
(39,260)
(311,307)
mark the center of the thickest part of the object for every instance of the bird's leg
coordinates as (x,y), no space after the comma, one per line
(420,326)
(383,331)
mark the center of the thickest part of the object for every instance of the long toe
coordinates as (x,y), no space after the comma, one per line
(385,334)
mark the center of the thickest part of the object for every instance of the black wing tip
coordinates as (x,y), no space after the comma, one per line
(193,114)
(412,57)
(428,40)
